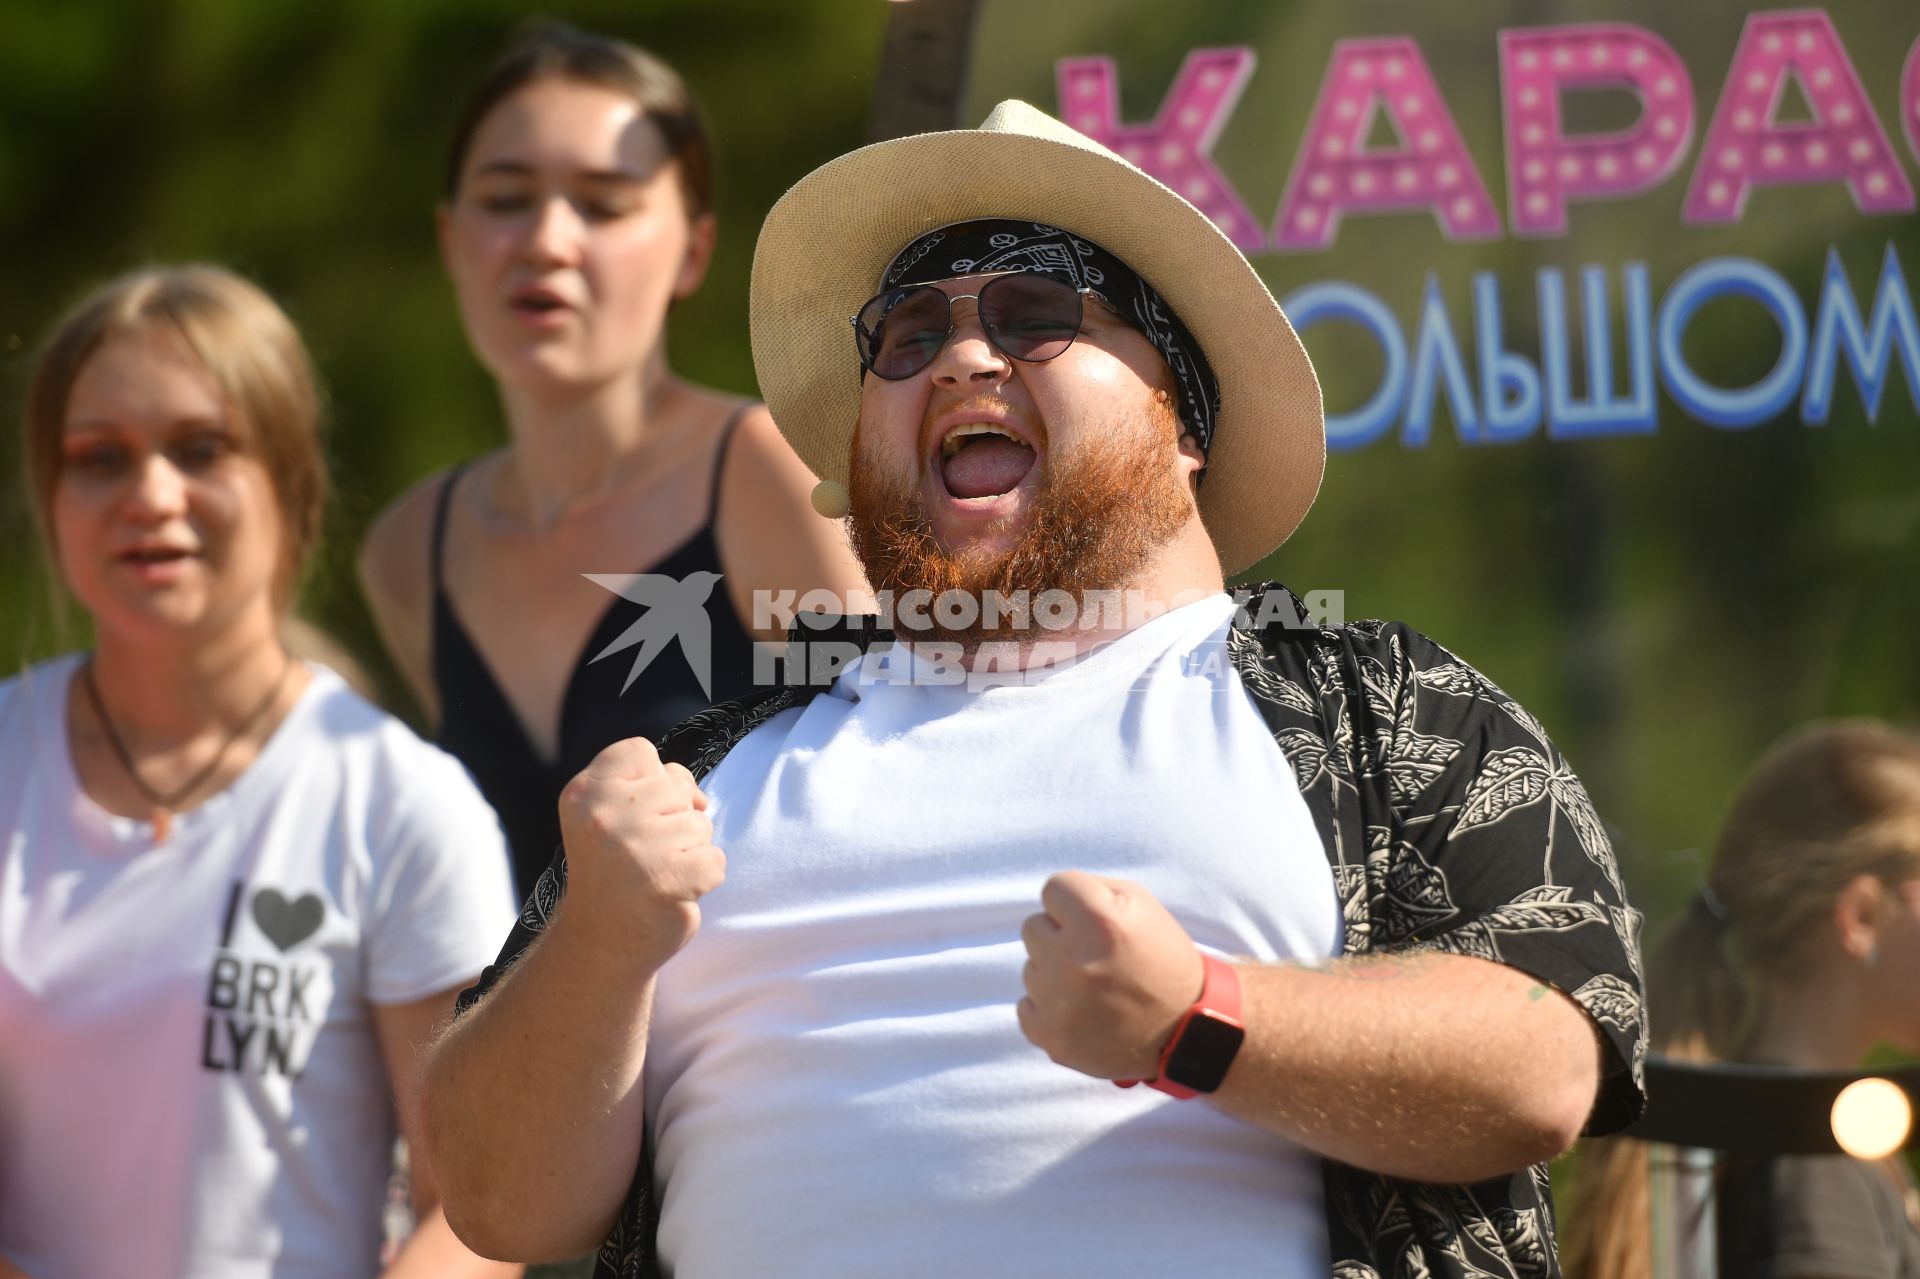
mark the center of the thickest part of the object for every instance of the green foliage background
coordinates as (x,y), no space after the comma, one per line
(302,144)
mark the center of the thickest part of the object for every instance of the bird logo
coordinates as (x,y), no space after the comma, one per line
(676,610)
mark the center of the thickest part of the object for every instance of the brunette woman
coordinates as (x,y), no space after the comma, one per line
(578,208)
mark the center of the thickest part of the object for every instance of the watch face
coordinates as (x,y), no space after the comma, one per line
(1206,1048)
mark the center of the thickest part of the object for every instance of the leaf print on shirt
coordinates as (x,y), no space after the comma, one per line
(1627,922)
(1380,687)
(1348,881)
(1524,718)
(1508,779)
(546,895)
(1463,1207)
(1455,678)
(1518,776)
(1418,763)
(1390,715)
(1525,1241)
(713,732)
(1543,909)
(1309,757)
(1571,800)
(1529,914)
(1542,1183)
(1413,1264)
(1610,1000)
(1415,889)
(1474,939)
(1264,680)
(1390,1215)
(1435,1226)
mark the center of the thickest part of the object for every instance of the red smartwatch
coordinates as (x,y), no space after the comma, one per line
(1204,1040)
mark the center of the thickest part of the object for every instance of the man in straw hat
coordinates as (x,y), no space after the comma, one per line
(1326,890)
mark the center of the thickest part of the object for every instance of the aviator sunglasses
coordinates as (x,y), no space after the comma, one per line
(1027,316)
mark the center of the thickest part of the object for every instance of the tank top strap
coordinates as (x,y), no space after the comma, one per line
(720,461)
(442,501)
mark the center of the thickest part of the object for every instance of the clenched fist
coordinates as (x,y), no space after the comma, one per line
(640,852)
(1108,973)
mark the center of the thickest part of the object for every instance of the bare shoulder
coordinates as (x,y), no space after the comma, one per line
(395,555)
(770,536)
(763,464)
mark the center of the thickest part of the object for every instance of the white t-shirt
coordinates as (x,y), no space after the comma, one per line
(190,1079)
(836,1078)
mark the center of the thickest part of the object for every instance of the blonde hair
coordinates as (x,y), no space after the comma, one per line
(1829,803)
(254,355)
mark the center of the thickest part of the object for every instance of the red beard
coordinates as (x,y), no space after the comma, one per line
(1097,520)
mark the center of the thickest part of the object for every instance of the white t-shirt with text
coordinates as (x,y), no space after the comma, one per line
(190,1078)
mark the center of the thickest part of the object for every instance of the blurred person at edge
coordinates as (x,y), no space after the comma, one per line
(1802,949)
(577,209)
(235,898)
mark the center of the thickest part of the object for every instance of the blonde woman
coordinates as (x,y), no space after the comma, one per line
(577,209)
(1802,949)
(235,898)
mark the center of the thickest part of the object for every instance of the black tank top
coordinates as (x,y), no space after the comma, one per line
(598,706)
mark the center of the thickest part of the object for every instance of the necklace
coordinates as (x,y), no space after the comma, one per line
(165,805)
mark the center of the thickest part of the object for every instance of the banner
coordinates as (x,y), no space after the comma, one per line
(1611,304)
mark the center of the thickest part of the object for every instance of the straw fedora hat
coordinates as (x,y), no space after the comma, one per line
(825,244)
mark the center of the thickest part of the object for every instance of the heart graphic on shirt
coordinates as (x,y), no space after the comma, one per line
(287,923)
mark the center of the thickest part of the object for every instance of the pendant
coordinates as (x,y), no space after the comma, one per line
(162,824)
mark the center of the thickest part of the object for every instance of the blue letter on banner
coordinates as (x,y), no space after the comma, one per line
(1717,406)
(1337,300)
(1602,414)
(1506,420)
(1837,328)
(1436,352)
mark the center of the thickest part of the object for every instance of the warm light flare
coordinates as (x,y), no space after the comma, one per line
(1871,1118)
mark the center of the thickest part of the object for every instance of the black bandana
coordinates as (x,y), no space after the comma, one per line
(1004,244)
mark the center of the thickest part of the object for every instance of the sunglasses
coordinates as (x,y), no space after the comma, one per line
(1026,316)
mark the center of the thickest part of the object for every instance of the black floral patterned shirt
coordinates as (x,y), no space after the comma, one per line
(1452,824)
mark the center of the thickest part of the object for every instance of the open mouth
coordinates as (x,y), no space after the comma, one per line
(979,459)
(155,555)
(537,302)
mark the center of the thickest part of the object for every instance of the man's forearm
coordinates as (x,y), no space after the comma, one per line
(534,1106)
(1429,1067)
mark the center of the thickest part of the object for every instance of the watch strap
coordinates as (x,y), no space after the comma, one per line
(1219,1005)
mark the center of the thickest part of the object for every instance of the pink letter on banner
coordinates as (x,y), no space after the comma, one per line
(1333,175)
(1176,148)
(1545,167)
(1745,148)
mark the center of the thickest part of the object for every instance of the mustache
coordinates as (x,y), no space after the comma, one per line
(1097,517)
(987,404)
